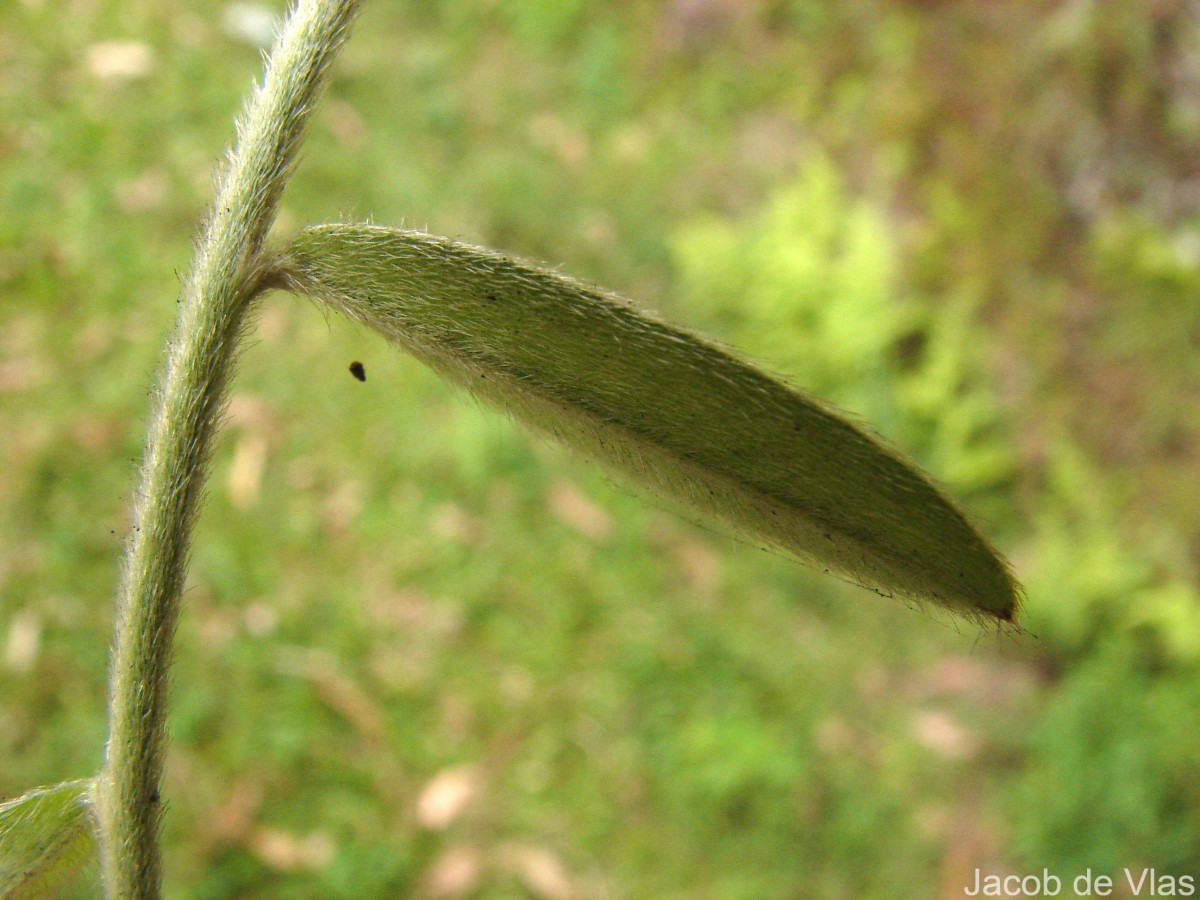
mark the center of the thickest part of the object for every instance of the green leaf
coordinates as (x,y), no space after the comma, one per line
(669,410)
(45,835)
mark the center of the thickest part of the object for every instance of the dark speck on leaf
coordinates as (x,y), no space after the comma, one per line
(357,370)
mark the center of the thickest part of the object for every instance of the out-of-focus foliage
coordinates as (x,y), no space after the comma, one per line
(421,652)
(1117,743)
(811,285)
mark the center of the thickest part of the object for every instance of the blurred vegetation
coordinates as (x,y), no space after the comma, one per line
(423,653)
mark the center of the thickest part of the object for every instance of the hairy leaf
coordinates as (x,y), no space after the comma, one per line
(45,835)
(669,410)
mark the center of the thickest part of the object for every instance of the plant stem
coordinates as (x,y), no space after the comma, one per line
(227,274)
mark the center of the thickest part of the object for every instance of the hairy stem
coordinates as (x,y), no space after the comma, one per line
(226,276)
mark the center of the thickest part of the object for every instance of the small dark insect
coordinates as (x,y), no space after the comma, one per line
(357,370)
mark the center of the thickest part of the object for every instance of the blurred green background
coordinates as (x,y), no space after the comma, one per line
(424,654)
